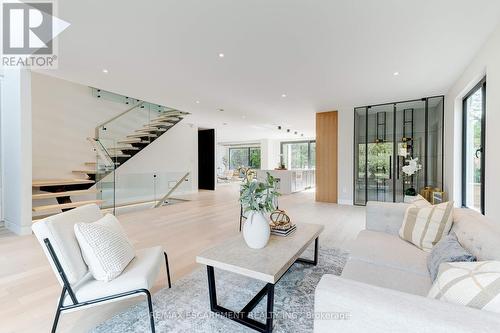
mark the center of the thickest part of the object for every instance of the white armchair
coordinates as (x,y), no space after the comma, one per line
(79,288)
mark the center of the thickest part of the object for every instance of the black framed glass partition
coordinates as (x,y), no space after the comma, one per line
(386,137)
(298,155)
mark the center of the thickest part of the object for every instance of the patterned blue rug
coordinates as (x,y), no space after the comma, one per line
(185,307)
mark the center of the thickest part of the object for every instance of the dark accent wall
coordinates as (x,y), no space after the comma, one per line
(206,159)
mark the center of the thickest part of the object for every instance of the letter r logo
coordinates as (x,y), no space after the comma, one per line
(27,28)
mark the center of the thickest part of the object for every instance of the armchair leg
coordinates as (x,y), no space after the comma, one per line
(168,270)
(151,312)
(58,311)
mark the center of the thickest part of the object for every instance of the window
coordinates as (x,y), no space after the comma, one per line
(244,156)
(299,154)
(473,152)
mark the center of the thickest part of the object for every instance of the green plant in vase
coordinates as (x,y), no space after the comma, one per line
(257,198)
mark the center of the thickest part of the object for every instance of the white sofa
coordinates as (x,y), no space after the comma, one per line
(384,284)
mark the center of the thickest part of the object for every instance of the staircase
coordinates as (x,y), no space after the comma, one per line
(116,141)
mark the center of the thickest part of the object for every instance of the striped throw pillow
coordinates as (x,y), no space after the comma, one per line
(474,284)
(425,226)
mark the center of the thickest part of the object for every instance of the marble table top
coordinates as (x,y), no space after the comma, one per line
(267,264)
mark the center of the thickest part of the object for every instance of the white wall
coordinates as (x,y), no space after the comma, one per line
(486,62)
(345,155)
(269,154)
(66,113)
(16,149)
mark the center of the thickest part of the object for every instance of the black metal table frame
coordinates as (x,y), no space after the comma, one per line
(241,317)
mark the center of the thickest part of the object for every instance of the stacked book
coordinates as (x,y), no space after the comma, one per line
(283,231)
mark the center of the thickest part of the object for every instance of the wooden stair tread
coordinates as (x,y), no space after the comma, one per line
(159,124)
(94,164)
(66,205)
(145,135)
(55,182)
(123,148)
(39,196)
(151,129)
(130,141)
(114,154)
(88,172)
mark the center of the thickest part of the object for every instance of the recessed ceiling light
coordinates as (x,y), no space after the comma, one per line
(244,117)
(395,73)
(224,124)
(197,102)
(283,95)
(221,55)
(105,71)
(279,127)
(288,130)
(221,110)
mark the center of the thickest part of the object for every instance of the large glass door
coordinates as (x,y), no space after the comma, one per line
(473,152)
(380,151)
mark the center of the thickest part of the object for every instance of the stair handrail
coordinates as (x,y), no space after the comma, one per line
(166,196)
(140,103)
(102,152)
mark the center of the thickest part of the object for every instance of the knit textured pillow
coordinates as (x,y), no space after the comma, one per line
(474,284)
(105,247)
(424,227)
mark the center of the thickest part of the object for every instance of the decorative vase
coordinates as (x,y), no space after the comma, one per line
(256,230)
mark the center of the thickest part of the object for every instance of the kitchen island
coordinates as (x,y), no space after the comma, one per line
(290,181)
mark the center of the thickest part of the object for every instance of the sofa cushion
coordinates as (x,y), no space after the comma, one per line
(474,284)
(389,251)
(425,226)
(477,233)
(447,249)
(141,273)
(382,276)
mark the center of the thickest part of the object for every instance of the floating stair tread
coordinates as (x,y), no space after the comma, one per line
(143,135)
(160,124)
(130,141)
(39,196)
(124,148)
(56,182)
(66,205)
(151,129)
(88,172)
(112,154)
(94,164)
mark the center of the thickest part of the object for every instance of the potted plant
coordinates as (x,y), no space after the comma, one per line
(257,198)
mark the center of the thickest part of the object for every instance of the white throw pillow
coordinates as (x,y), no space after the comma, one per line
(424,227)
(105,247)
(474,284)
(420,202)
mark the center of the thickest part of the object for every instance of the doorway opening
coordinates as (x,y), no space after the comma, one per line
(206,159)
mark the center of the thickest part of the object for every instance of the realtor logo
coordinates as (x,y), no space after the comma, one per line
(29,29)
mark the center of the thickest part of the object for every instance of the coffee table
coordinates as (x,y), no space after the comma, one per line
(268,264)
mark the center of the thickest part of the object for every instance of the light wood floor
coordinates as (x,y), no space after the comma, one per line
(29,289)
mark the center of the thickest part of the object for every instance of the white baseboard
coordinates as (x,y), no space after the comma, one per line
(347,202)
(17,229)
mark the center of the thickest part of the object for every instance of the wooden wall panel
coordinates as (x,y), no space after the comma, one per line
(326,156)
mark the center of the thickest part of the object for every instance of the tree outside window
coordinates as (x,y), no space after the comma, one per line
(299,155)
(244,157)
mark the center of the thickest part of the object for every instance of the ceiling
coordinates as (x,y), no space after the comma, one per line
(324,55)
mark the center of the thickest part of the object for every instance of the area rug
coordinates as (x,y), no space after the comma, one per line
(185,307)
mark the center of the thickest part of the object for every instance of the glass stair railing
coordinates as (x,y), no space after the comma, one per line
(123,136)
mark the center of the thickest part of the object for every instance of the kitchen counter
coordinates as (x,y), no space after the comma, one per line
(290,181)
